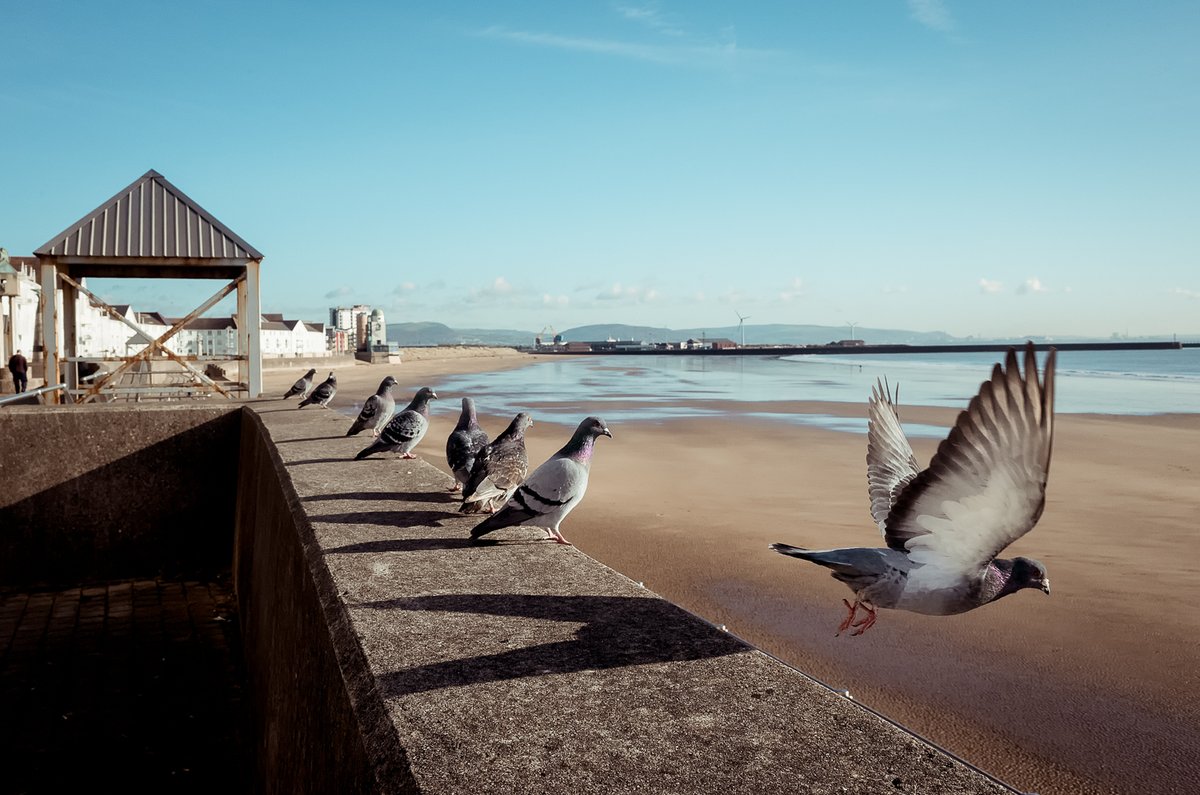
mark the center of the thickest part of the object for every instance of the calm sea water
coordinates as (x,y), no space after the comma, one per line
(632,388)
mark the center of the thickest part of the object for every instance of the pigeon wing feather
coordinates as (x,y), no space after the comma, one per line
(986,485)
(891,464)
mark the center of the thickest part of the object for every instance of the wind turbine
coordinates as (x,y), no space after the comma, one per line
(851,324)
(742,325)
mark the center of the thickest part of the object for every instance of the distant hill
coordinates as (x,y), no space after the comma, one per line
(417,334)
(767,334)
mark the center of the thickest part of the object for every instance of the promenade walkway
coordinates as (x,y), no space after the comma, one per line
(126,686)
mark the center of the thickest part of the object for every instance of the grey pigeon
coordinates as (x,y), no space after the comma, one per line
(302,386)
(377,410)
(405,430)
(554,488)
(499,469)
(944,526)
(464,443)
(322,394)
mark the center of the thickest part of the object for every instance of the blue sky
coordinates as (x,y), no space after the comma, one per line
(978,168)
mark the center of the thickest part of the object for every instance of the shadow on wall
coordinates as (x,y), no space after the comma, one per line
(167,509)
(618,631)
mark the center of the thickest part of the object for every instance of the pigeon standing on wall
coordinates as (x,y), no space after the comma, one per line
(377,409)
(302,386)
(554,488)
(499,469)
(464,444)
(944,526)
(322,394)
(405,430)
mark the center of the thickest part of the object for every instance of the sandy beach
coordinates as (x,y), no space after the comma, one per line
(1095,688)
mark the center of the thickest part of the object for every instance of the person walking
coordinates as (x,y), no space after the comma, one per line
(18,365)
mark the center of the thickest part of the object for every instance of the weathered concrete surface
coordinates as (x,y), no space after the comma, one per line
(319,723)
(520,666)
(114,491)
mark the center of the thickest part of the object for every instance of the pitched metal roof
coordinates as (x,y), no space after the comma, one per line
(149,218)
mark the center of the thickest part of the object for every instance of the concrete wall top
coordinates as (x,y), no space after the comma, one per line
(525,666)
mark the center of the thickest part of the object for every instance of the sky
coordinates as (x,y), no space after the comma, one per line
(987,169)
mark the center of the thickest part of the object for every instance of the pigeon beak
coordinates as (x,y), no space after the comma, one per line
(606,432)
(1046,587)
(433,394)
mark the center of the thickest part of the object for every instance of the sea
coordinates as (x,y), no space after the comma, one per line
(661,388)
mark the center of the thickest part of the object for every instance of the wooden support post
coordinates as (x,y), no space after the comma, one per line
(49,321)
(70,348)
(243,337)
(254,329)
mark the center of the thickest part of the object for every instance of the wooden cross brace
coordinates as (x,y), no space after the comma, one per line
(157,344)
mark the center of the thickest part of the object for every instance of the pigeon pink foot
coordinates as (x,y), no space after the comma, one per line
(864,624)
(846,624)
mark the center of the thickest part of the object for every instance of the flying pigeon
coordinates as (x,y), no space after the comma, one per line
(464,444)
(405,430)
(944,526)
(302,386)
(377,410)
(322,394)
(499,469)
(554,488)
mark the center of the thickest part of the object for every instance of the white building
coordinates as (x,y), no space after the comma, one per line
(376,330)
(345,318)
(18,313)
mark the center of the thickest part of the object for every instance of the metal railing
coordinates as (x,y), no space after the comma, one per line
(22,397)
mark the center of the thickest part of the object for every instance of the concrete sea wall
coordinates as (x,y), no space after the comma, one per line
(387,653)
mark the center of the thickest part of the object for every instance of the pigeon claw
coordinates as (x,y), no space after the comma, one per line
(847,622)
(863,624)
(408,455)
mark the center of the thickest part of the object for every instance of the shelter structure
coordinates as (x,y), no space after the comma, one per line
(149,229)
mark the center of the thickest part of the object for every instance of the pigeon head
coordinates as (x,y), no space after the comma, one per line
(467,418)
(584,440)
(594,426)
(420,401)
(311,373)
(385,385)
(516,428)
(332,378)
(1027,573)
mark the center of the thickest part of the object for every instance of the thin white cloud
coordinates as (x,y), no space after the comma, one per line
(687,53)
(794,290)
(1031,285)
(628,293)
(652,17)
(933,14)
(890,290)
(989,286)
(1185,292)
(555,300)
(404,287)
(500,290)
(339,292)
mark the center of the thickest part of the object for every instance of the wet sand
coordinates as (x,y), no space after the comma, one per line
(1093,689)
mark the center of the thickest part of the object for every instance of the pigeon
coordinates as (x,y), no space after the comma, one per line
(322,394)
(464,444)
(302,386)
(554,488)
(377,410)
(499,469)
(405,430)
(944,526)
